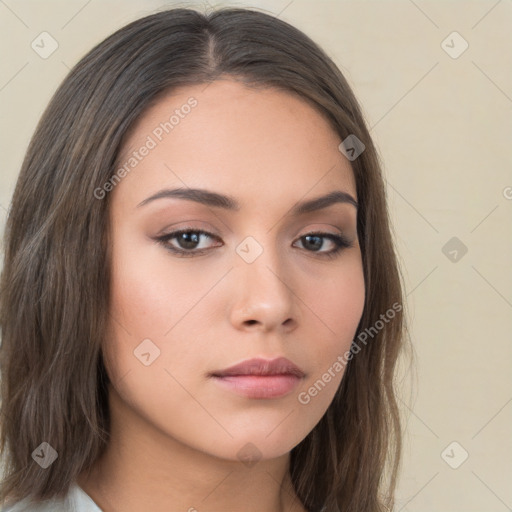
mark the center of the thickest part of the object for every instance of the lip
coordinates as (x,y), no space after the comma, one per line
(260,378)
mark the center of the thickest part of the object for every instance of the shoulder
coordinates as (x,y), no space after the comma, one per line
(27,505)
(75,501)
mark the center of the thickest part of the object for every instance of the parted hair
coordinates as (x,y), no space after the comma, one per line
(55,281)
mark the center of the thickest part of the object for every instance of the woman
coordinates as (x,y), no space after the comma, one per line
(201,307)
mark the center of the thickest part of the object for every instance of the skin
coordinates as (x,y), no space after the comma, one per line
(175,432)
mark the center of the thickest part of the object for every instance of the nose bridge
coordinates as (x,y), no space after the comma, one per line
(264,291)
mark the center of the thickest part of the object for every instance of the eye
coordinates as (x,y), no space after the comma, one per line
(316,242)
(188,242)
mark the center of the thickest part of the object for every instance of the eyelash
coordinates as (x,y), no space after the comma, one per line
(340,241)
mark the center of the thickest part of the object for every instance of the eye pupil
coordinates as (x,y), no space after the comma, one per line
(191,239)
(318,240)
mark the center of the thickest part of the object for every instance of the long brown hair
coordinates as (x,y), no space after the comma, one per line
(55,281)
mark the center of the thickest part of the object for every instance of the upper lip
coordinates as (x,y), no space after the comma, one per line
(259,366)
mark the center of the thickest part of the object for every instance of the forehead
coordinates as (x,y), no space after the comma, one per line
(251,143)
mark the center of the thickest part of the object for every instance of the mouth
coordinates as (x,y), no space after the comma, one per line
(260,378)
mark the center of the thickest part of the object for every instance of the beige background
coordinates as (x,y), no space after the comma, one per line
(442,125)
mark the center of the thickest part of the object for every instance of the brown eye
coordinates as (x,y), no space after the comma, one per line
(187,241)
(313,242)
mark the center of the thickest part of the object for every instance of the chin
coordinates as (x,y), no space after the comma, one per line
(255,445)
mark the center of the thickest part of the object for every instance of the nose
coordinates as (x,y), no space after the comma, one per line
(264,298)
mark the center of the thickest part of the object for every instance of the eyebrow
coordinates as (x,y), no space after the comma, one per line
(216,200)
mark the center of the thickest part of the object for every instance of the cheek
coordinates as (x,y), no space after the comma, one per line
(150,293)
(343,302)
(149,297)
(338,308)
(154,297)
(338,305)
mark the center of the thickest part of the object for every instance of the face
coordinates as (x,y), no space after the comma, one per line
(249,277)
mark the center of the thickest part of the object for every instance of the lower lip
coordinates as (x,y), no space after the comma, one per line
(259,386)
